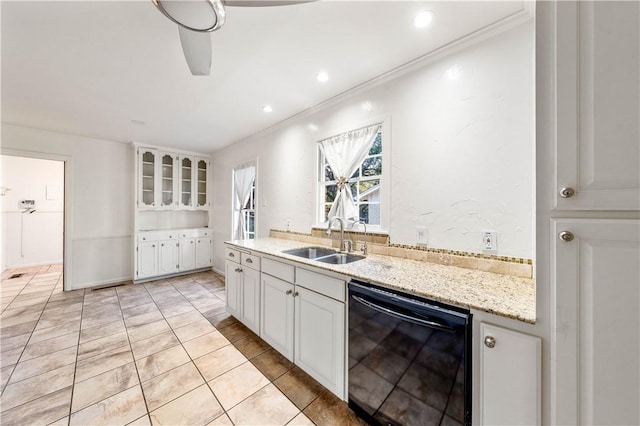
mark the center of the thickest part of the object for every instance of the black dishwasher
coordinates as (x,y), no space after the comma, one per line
(409,358)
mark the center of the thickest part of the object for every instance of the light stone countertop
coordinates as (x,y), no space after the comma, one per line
(503,295)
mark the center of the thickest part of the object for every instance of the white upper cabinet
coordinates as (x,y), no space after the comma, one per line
(186,182)
(147,178)
(598,105)
(168,180)
(200,183)
(172,181)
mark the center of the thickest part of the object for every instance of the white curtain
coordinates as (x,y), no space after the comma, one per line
(243,177)
(345,153)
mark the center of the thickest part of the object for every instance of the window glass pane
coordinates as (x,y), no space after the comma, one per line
(327,207)
(355,174)
(376,148)
(370,213)
(372,166)
(369,190)
(330,193)
(328,173)
(353,186)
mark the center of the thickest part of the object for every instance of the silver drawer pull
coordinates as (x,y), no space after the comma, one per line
(288,292)
(490,342)
(295,294)
(232,255)
(238,269)
(249,261)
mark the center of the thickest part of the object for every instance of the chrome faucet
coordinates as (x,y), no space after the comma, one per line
(364,243)
(345,245)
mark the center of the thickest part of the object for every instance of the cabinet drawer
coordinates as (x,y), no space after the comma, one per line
(232,255)
(157,236)
(331,287)
(278,269)
(189,233)
(250,260)
(204,232)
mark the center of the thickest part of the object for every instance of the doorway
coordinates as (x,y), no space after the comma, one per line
(33,225)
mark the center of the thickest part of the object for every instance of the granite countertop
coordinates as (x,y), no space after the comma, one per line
(503,295)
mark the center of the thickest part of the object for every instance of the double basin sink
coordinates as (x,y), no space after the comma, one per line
(324,255)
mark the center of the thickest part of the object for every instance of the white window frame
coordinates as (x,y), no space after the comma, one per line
(253,197)
(385,177)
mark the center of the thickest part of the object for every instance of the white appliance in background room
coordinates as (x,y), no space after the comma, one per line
(32,211)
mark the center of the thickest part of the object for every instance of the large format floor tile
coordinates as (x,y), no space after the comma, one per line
(161,353)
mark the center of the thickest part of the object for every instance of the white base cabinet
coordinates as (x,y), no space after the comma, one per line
(510,375)
(319,338)
(242,275)
(305,321)
(162,253)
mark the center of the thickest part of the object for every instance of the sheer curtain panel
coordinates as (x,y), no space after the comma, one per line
(344,154)
(243,177)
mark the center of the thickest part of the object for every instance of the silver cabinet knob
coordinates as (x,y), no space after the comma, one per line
(565,236)
(288,292)
(295,294)
(567,192)
(490,342)
(238,270)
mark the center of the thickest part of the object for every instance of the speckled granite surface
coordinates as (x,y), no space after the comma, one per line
(498,294)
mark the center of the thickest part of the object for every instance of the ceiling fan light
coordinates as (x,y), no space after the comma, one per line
(194,15)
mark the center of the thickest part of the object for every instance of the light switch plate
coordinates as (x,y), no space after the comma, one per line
(421,235)
(489,241)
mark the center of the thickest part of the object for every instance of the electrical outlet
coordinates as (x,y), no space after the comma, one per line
(421,235)
(288,224)
(490,241)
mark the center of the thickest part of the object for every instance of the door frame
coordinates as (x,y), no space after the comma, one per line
(67,229)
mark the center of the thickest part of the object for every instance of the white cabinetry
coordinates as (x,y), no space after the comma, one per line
(162,253)
(510,377)
(171,181)
(242,273)
(276,325)
(589,140)
(596,346)
(204,256)
(598,96)
(305,321)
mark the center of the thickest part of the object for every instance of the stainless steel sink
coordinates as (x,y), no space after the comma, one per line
(310,252)
(339,258)
(324,255)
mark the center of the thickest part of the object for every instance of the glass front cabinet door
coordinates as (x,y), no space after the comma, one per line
(147,188)
(186,181)
(202,200)
(168,181)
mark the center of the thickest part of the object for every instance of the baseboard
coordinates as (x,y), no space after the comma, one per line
(31,265)
(99,283)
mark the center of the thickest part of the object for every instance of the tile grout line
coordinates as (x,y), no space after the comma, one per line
(75,367)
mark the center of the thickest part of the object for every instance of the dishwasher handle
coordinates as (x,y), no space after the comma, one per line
(430,322)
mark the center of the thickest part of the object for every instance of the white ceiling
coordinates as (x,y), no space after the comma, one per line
(115,69)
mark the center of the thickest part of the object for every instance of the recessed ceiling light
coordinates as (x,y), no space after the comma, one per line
(423,19)
(322,77)
(454,72)
(267,108)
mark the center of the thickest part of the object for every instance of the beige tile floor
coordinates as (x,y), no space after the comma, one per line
(165,352)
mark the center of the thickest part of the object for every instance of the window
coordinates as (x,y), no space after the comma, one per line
(365,185)
(244,206)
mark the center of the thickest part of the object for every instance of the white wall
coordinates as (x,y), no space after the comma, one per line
(102,209)
(35,238)
(462,152)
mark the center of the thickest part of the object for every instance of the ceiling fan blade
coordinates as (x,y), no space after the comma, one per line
(197,50)
(263,3)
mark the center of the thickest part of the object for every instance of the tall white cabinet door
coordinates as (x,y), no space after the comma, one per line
(148,190)
(187,254)
(147,265)
(595,321)
(510,377)
(276,324)
(250,312)
(167,257)
(203,252)
(598,105)
(233,287)
(319,338)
